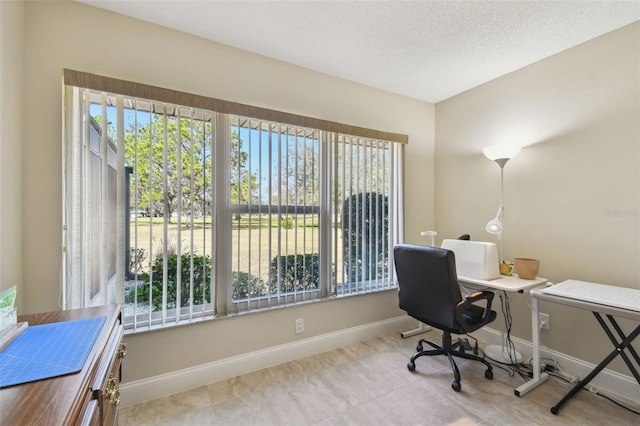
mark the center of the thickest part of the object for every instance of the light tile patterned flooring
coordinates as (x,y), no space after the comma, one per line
(368,384)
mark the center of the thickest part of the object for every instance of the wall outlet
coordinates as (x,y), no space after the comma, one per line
(543,321)
(299,325)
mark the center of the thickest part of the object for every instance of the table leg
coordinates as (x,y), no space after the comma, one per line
(538,377)
(630,348)
(614,353)
(421,329)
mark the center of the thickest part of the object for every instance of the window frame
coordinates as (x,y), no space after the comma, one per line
(330,134)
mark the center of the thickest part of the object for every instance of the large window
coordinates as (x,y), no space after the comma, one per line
(188,211)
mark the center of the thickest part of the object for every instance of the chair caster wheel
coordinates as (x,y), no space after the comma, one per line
(488,374)
(411,366)
(419,348)
(456,386)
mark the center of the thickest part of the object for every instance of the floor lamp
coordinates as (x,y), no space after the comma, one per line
(501,154)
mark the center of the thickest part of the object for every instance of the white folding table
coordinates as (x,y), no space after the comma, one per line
(602,300)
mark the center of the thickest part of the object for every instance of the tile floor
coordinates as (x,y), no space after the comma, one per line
(368,384)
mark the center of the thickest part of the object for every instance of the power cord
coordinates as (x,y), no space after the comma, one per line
(525,371)
(506,312)
(599,393)
(615,402)
(511,368)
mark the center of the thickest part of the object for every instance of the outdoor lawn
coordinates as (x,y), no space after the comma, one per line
(262,237)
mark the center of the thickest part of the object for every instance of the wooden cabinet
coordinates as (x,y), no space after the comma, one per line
(89,397)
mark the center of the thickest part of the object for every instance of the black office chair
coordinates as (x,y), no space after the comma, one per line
(429,292)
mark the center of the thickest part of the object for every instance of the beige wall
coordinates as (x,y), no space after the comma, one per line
(572,196)
(69,35)
(11,86)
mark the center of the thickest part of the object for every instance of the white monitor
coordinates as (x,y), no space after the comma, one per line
(474,259)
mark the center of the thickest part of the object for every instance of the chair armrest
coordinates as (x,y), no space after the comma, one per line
(463,306)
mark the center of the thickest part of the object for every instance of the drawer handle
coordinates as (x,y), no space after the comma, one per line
(111,392)
(122,350)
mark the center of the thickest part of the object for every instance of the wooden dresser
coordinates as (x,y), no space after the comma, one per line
(90,396)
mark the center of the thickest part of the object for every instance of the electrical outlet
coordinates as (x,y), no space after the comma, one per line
(543,321)
(299,325)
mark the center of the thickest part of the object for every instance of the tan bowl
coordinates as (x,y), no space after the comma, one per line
(527,269)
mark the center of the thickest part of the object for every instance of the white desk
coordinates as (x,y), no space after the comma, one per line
(505,282)
(511,283)
(568,293)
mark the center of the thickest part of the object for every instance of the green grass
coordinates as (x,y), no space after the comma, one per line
(262,233)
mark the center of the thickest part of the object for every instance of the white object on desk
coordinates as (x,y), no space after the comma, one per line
(475,259)
(8,315)
(510,283)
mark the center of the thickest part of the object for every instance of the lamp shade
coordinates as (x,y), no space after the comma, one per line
(494,226)
(502,151)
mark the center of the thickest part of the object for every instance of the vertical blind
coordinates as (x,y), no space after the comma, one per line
(277,262)
(93,206)
(182,213)
(366,198)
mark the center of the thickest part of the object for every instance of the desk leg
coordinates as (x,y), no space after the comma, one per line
(421,329)
(538,378)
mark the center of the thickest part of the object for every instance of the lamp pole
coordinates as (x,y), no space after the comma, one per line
(501,234)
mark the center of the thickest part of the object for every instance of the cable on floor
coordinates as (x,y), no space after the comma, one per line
(621,405)
(525,370)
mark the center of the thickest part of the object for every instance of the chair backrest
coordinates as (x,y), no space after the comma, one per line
(428,284)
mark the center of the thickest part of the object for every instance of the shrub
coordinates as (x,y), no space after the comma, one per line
(364,243)
(286,223)
(241,283)
(297,272)
(201,281)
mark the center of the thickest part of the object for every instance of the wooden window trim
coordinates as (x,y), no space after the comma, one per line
(139,90)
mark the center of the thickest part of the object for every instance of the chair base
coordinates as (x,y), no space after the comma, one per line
(450,350)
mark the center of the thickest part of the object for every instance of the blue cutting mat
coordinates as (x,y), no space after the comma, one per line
(48,350)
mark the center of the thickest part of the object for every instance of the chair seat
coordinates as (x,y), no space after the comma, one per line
(473,316)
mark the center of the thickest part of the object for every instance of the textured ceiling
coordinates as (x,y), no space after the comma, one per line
(428,50)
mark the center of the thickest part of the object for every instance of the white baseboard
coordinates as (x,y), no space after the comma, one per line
(607,380)
(178,381)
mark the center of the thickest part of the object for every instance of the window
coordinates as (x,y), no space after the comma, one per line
(186,211)
(275,201)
